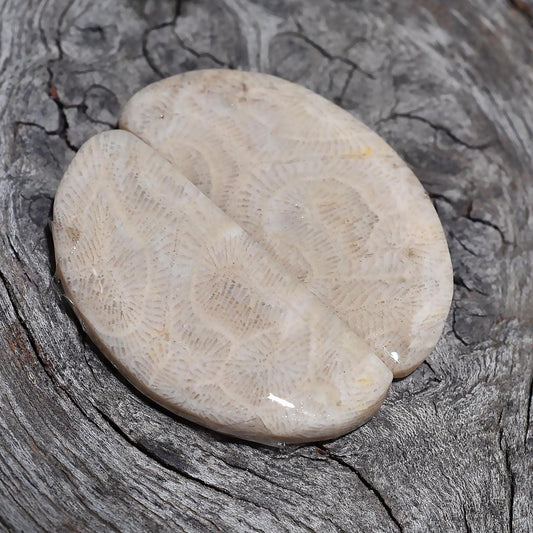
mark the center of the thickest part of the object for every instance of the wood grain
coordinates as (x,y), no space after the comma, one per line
(448,84)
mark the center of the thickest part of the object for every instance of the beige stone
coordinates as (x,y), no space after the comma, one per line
(191,309)
(327,197)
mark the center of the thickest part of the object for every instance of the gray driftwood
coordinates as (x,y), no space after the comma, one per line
(449,84)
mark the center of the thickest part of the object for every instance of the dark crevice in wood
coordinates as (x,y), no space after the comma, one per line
(458,280)
(171,23)
(21,320)
(425,386)
(510,478)
(112,125)
(144,48)
(464,246)
(92,29)
(437,127)
(36,350)
(153,455)
(61,20)
(29,124)
(18,124)
(172,467)
(340,99)
(206,55)
(62,130)
(301,35)
(338,459)
(196,54)
(63,121)
(468,528)
(78,406)
(280,486)
(435,375)
(457,336)
(42,32)
(85,110)
(259,476)
(528,411)
(89,364)
(19,260)
(436,196)
(143,449)
(524,8)
(490,225)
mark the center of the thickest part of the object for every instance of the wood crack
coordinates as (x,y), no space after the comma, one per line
(459,281)
(490,225)
(19,260)
(437,127)
(464,246)
(524,8)
(321,50)
(338,459)
(173,468)
(340,99)
(436,196)
(278,485)
(468,528)
(502,442)
(38,352)
(206,55)
(144,48)
(435,375)
(63,128)
(454,329)
(528,411)
(170,23)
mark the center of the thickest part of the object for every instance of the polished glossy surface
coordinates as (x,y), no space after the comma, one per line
(327,197)
(197,314)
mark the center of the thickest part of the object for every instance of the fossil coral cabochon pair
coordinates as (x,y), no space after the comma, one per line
(251,256)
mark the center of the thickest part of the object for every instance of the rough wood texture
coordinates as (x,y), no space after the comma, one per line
(448,84)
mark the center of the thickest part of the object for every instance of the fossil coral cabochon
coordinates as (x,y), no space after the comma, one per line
(325,195)
(194,312)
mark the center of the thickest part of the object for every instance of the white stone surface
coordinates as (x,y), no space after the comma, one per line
(194,312)
(333,203)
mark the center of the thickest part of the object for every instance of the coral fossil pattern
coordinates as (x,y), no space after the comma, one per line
(197,314)
(333,203)
(251,256)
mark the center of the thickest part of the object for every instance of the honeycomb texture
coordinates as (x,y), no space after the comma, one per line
(192,310)
(322,193)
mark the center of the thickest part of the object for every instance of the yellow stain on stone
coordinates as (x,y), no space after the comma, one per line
(163,332)
(158,350)
(362,152)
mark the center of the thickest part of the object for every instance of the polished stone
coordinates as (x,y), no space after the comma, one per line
(194,312)
(326,196)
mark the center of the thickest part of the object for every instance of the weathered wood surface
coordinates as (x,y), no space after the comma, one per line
(450,86)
